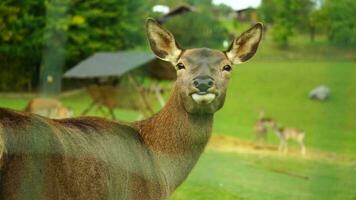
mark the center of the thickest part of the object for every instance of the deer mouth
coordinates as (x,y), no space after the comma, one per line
(203,97)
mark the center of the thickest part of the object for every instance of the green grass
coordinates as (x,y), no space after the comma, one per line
(236,176)
(277,81)
(280,88)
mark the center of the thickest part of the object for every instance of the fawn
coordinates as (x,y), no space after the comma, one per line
(285,134)
(48,107)
(261,127)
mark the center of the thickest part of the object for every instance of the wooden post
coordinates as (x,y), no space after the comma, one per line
(157,90)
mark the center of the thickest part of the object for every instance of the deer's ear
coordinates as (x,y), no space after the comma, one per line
(245,46)
(162,42)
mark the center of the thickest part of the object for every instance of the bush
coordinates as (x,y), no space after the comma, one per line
(197,30)
(341,28)
(32,31)
(281,32)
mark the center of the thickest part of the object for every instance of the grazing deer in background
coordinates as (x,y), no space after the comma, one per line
(261,127)
(285,134)
(48,107)
(94,158)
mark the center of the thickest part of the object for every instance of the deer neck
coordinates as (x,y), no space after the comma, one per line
(177,139)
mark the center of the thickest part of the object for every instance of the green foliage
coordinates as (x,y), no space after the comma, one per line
(17,77)
(268,10)
(21,42)
(104,26)
(281,32)
(340,22)
(317,22)
(287,16)
(295,11)
(21,28)
(280,88)
(32,30)
(334,19)
(197,30)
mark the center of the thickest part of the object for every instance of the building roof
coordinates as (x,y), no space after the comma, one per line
(245,10)
(180,10)
(103,64)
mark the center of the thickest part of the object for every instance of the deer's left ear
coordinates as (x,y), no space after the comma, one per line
(245,46)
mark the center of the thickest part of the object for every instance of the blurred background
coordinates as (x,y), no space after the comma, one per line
(67,58)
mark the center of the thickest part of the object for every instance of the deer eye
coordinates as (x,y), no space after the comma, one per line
(227,68)
(180,66)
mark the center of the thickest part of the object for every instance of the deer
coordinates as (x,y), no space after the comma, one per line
(48,107)
(286,134)
(261,127)
(96,158)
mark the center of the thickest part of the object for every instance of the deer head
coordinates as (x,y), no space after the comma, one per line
(202,74)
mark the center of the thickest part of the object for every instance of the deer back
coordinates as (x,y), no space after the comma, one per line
(83,158)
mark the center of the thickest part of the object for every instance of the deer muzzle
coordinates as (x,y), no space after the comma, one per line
(203,98)
(203,85)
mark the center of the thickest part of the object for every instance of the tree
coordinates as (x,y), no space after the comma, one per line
(21,36)
(55,38)
(268,9)
(317,21)
(286,16)
(339,21)
(79,27)
(198,29)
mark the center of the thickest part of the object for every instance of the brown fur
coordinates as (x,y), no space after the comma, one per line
(48,107)
(93,158)
(261,127)
(286,134)
(179,139)
(261,131)
(71,165)
(83,158)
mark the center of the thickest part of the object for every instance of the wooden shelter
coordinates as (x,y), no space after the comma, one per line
(125,79)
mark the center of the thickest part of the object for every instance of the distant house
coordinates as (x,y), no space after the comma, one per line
(180,10)
(246,15)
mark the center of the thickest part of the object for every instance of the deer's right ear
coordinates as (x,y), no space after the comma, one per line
(162,42)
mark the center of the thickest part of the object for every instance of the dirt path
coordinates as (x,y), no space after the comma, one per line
(234,145)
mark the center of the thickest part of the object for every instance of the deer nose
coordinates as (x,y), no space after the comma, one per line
(203,83)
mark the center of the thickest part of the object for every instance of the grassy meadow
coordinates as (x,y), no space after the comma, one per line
(278,82)
(281,90)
